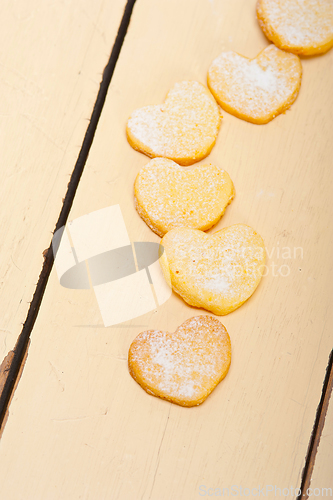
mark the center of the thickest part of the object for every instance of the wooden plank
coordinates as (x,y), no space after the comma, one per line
(4,367)
(4,373)
(322,476)
(79,425)
(320,483)
(52,58)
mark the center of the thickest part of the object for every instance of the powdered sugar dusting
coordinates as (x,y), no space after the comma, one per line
(218,283)
(299,25)
(184,127)
(259,78)
(255,88)
(217,272)
(183,366)
(167,196)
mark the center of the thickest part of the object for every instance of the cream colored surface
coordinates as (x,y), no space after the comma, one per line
(51,63)
(322,476)
(79,425)
(169,196)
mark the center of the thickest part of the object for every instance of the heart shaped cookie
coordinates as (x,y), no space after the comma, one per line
(300,26)
(169,196)
(259,89)
(183,129)
(185,366)
(218,272)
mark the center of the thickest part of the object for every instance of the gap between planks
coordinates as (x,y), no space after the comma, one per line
(317,429)
(4,370)
(12,366)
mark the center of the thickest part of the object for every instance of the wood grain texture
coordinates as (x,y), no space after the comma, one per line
(323,469)
(51,62)
(79,426)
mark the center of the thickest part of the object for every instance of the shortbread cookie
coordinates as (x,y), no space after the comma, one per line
(301,26)
(258,89)
(218,272)
(169,196)
(183,367)
(183,129)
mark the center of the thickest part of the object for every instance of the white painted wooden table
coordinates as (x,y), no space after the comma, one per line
(323,466)
(51,62)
